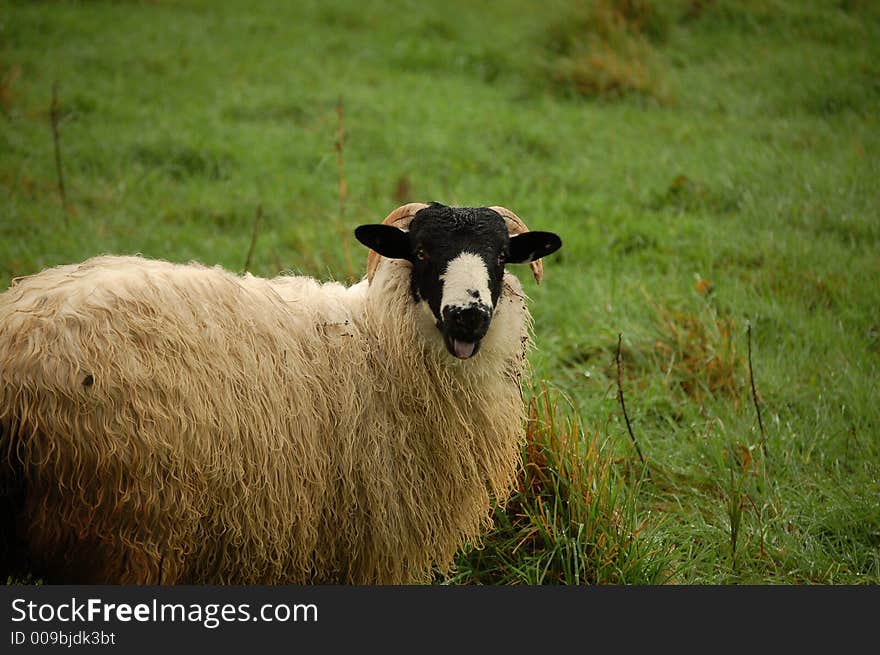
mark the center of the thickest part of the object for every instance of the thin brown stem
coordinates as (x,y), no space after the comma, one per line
(762,443)
(623,407)
(343,189)
(258,217)
(54,119)
(340,159)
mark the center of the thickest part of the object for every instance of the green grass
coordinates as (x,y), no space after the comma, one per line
(709,166)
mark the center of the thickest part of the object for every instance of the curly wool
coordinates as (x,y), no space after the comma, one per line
(180,424)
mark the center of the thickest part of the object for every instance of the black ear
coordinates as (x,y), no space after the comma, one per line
(529,246)
(387,240)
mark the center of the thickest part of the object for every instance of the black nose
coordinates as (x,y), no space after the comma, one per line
(467,323)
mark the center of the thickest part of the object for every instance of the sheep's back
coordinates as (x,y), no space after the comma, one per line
(163,408)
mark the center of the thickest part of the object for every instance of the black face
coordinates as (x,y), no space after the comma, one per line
(458,256)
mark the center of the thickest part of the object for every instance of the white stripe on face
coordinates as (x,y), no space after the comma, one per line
(466,282)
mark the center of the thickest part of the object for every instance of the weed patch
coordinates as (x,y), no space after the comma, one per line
(698,353)
(603,50)
(572,519)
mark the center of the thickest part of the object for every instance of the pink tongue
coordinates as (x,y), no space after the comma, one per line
(463,349)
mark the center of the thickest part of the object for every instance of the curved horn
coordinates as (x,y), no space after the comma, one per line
(515,225)
(400,217)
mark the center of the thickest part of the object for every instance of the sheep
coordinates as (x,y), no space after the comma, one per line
(179,424)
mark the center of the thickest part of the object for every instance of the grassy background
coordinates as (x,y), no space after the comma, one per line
(710,165)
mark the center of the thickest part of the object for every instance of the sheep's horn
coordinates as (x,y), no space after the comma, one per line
(400,217)
(515,225)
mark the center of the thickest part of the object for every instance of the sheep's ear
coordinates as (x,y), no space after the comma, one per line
(531,246)
(387,240)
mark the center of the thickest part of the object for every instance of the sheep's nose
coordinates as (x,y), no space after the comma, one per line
(467,323)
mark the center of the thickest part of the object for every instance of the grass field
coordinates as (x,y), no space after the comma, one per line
(713,167)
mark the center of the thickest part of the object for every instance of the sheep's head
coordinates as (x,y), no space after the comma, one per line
(458,256)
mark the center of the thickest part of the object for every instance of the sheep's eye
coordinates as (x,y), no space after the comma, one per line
(421,255)
(502,258)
